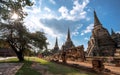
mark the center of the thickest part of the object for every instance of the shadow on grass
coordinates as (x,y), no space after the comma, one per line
(61,69)
(27,70)
(52,67)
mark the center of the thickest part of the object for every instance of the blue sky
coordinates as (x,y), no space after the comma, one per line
(55,16)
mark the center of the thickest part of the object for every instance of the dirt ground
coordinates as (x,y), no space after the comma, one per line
(42,69)
(112,68)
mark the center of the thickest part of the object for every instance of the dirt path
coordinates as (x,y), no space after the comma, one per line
(112,68)
(9,68)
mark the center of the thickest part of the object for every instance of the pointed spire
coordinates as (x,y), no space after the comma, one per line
(56,43)
(56,48)
(112,32)
(68,35)
(96,20)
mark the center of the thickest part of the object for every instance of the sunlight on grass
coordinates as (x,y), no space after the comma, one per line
(10,60)
(52,67)
(35,59)
(59,69)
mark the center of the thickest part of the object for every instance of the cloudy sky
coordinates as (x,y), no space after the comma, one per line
(55,16)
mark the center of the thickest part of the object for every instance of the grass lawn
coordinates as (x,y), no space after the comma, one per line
(14,60)
(52,67)
(60,69)
(27,70)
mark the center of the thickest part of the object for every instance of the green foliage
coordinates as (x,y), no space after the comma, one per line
(20,39)
(3,44)
(46,53)
(14,31)
(28,52)
(38,40)
(8,7)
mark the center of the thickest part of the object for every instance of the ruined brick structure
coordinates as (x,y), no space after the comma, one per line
(101,43)
(5,49)
(69,51)
(5,52)
(72,53)
(56,47)
(68,43)
(75,53)
(98,65)
(116,38)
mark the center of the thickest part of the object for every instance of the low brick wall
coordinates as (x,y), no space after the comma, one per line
(97,65)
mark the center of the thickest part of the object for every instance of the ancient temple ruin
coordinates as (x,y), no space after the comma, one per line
(116,38)
(69,51)
(56,47)
(75,53)
(68,43)
(101,43)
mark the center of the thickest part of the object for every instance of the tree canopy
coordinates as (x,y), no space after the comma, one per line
(8,7)
(14,32)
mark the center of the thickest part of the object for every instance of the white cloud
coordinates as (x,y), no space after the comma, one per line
(64,11)
(36,14)
(82,33)
(46,13)
(88,19)
(47,9)
(34,9)
(76,13)
(86,38)
(76,31)
(52,1)
(118,32)
(32,22)
(88,29)
(78,7)
(48,16)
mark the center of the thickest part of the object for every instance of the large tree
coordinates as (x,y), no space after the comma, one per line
(14,32)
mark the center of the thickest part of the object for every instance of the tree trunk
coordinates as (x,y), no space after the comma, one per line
(19,53)
(20,56)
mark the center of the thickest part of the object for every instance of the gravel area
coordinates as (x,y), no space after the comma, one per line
(9,68)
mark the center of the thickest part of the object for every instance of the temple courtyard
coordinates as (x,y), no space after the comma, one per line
(38,66)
